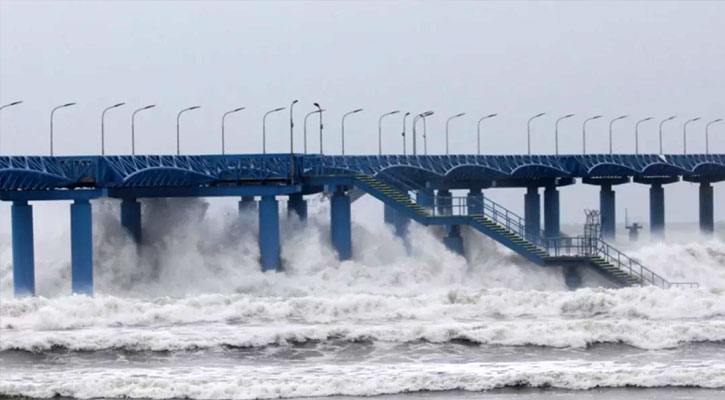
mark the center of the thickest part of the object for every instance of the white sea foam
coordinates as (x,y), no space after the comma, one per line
(264,382)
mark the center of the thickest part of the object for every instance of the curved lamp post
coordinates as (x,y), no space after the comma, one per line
(51,123)
(224,116)
(320,110)
(684,133)
(404,118)
(380,130)
(178,116)
(343,126)
(133,127)
(478,130)
(305,127)
(264,128)
(584,132)
(15,103)
(662,123)
(415,135)
(103,127)
(556,131)
(528,129)
(707,134)
(611,123)
(636,134)
(447,122)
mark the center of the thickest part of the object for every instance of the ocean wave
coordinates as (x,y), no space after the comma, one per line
(265,382)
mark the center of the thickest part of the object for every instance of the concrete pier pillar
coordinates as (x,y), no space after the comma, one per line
(341,224)
(657,211)
(246,204)
(23,253)
(532,211)
(444,202)
(474,202)
(707,216)
(296,204)
(552,224)
(269,233)
(131,218)
(454,240)
(425,198)
(572,278)
(401,223)
(81,240)
(388,214)
(607,212)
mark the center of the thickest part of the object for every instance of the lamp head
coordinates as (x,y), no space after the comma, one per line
(238,109)
(193,108)
(646,119)
(147,107)
(568,115)
(491,115)
(460,115)
(539,115)
(316,105)
(68,104)
(15,103)
(717,120)
(428,113)
(278,109)
(394,112)
(117,105)
(671,118)
(407,113)
(357,111)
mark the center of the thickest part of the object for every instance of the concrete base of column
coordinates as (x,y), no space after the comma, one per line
(23,253)
(131,218)
(81,231)
(269,234)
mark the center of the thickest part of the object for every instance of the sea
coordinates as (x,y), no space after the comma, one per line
(190,315)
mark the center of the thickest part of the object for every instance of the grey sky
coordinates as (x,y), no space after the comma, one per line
(513,58)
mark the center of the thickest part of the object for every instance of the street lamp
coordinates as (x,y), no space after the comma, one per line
(264,128)
(707,134)
(305,130)
(684,134)
(415,120)
(103,128)
(15,103)
(528,127)
(320,110)
(343,126)
(178,116)
(380,130)
(662,123)
(51,123)
(224,116)
(611,123)
(478,130)
(636,134)
(133,127)
(447,122)
(404,118)
(584,132)
(556,131)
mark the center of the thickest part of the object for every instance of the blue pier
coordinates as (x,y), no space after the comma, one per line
(412,188)
(81,237)
(269,234)
(23,253)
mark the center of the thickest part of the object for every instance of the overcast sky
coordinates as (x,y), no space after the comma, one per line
(512,58)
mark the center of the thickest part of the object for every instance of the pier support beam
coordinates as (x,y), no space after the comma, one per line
(269,233)
(131,217)
(341,223)
(296,204)
(532,211)
(246,204)
(552,224)
(454,240)
(23,254)
(657,211)
(444,202)
(81,239)
(474,202)
(707,216)
(607,211)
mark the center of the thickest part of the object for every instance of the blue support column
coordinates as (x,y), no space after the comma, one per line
(401,223)
(269,233)
(23,254)
(454,240)
(444,202)
(552,224)
(340,224)
(246,204)
(707,216)
(131,218)
(425,198)
(388,214)
(81,240)
(607,211)
(474,201)
(297,205)
(532,211)
(657,211)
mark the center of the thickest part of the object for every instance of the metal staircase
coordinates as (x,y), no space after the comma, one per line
(509,229)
